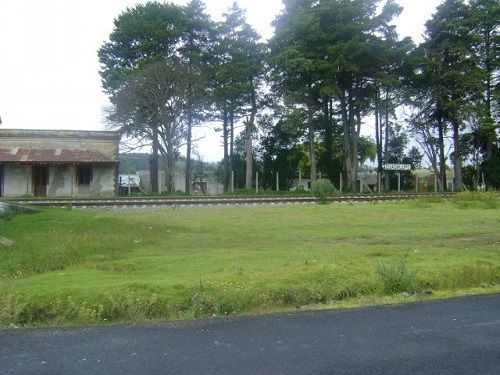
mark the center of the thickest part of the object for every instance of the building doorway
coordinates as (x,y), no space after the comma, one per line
(40,180)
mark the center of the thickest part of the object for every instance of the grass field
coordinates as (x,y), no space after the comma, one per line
(86,267)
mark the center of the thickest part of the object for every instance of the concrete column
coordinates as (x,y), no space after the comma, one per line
(28,170)
(128,185)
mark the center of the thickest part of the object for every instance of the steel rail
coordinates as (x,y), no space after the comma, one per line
(209,201)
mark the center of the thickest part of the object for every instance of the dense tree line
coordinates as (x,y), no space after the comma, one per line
(306,97)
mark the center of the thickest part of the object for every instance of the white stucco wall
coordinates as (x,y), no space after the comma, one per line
(16,180)
(62,182)
(103,180)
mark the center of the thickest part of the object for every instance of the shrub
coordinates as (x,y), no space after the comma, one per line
(322,189)
(397,276)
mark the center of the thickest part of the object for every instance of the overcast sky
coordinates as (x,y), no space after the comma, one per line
(49,67)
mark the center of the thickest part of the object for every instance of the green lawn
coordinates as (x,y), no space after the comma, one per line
(85,267)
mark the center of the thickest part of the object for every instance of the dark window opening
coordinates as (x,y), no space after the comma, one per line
(40,180)
(84,175)
(41,173)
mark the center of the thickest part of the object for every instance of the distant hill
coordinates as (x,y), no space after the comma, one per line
(133,162)
(140,162)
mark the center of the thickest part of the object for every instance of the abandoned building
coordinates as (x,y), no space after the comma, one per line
(58,163)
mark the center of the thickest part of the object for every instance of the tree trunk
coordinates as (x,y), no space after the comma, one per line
(231,144)
(345,137)
(153,162)
(248,154)
(378,137)
(442,158)
(436,173)
(188,143)
(167,136)
(328,139)
(355,157)
(169,169)
(386,140)
(477,162)
(489,70)
(354,144)
(489,76)
(312,150)
(457,156)
(249,128)
(225,135)
(428,144)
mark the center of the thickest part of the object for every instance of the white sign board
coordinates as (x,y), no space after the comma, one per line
(397,167)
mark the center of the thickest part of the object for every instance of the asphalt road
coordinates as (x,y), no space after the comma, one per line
(458,336)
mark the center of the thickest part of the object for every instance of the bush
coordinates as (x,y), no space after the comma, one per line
(397,276)
(322,189)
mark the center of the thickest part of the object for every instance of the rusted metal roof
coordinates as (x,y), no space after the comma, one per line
(37,155)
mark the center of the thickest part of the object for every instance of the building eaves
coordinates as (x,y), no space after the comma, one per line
(37,155)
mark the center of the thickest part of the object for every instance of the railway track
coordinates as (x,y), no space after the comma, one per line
(205,201)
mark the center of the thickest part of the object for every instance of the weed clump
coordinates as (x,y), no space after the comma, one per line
(322,189)
(475,199)
(432,199)
(203,304)
(472,276)
(397,275)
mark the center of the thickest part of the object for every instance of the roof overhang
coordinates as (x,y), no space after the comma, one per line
(38,155)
